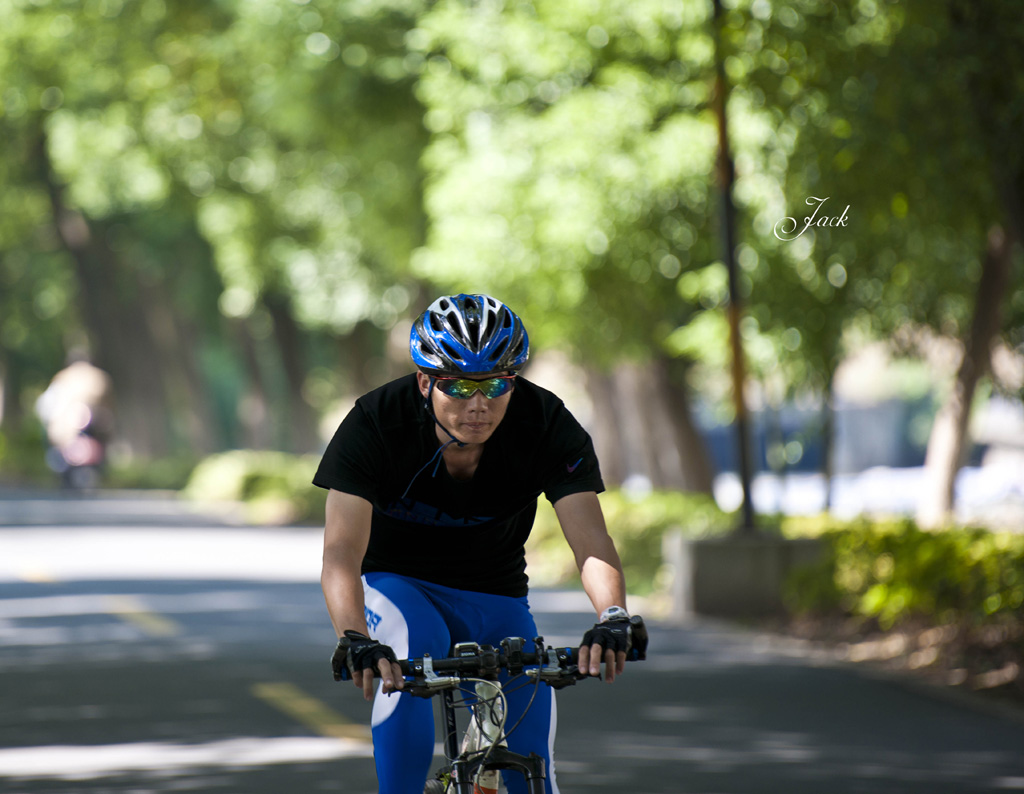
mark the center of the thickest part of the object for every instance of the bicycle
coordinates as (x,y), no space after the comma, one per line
(472,767)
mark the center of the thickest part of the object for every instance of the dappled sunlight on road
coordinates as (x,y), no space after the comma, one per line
(83,762)
(152,553)
(811,763)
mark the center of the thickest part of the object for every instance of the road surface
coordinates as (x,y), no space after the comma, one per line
(148,648)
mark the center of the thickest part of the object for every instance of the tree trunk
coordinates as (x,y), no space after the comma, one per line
(300,423)
(356,351)
(696,471)
(118,327)
(608,438)
(254,407)
(948,443)
(828,429)
(176,346)
(11,413)
(643,428)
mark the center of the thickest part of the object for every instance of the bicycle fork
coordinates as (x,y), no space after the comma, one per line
(484,736)
(484,733)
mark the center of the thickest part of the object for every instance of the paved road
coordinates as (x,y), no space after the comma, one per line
(145,648)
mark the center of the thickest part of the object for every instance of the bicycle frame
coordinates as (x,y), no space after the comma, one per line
(464,766)
(484,748)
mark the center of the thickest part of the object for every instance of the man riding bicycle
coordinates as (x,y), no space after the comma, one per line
(433,482)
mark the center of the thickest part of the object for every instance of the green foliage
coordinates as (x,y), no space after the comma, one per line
(163,474)
(273,487)
(638,525)
(318,162)
(570,174)
(831,78)
(575,175)
(208,160)
(23,454)
(892,571)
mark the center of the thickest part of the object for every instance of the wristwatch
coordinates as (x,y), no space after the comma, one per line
(614,613)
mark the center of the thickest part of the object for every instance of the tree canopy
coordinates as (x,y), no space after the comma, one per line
(236,203)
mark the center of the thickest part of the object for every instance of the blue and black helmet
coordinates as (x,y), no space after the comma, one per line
(468,335)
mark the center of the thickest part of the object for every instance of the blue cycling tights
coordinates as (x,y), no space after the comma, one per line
(416,617)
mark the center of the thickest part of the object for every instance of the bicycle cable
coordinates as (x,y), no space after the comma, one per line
(529,704)
(498,696)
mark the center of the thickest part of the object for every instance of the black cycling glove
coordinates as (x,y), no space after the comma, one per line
(357,652)
(620,634)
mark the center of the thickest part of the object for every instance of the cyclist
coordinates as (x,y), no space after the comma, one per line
(433,482)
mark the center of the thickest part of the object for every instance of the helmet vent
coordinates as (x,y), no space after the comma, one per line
(435,323)
(499,351)
(451,351)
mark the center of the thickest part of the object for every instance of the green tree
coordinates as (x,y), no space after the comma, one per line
(214,188)
(568,173)
(926,152)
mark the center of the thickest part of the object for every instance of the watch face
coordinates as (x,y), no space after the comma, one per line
(614,613)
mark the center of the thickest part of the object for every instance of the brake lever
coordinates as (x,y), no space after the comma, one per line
(557,678)
(556,672)
(425,682)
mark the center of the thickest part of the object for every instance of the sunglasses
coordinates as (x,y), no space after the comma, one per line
(464,388)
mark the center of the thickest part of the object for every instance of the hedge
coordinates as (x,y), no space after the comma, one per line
(889,571)
(893,571)
(274,487)
(638,525)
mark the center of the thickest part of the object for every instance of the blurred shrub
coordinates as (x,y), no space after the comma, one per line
(273,487)
(892,571)
(638,525)
(23,454)
(165,474)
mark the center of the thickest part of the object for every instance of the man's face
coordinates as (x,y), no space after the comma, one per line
(471,421)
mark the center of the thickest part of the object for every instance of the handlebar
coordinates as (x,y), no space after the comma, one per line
(484,661)
(426,676)
(557,667)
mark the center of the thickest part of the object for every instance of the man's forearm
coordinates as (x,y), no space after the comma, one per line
(346,533)
(603,580)
(343,592)
(600,568)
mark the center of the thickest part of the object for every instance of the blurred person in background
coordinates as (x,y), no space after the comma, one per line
(433,482)
(77,413)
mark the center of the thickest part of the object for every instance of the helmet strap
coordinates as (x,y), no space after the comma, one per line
(428,403)
(439,454)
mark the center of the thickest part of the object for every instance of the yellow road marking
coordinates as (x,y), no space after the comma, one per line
(133,611)
(311,712)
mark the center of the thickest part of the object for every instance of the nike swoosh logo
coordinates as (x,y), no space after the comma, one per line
(572,468)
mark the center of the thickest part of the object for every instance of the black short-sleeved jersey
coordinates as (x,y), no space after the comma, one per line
(427,525)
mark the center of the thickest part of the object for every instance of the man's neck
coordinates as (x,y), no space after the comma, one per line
(461,462)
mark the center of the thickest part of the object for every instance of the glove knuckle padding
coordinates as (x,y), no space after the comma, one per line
(612,635)
(357,652)
(621,634)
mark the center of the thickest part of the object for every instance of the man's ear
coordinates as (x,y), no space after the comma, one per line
(423,381)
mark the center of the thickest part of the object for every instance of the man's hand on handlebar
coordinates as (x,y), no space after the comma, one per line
(359,658)
(611,641)
(391,674)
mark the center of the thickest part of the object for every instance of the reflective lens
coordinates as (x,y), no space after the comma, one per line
(464,388)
